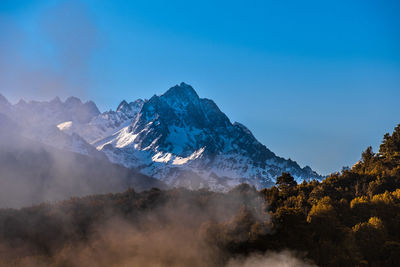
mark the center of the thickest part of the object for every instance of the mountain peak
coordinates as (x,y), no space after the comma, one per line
(183,84)
(92,107)
(73,101)
(3,100)
(181,92)
(130,109)
(56,100)
(176,135)
(122,105)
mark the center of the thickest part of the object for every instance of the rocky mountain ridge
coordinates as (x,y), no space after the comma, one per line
(177,137)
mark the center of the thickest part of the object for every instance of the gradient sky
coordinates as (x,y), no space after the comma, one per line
(316,81)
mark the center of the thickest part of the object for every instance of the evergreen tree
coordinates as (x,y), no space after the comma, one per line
(285,181)
(390,147)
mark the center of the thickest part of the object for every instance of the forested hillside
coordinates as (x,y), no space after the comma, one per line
(349,219)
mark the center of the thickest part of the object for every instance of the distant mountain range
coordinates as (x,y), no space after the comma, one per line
(177,137)
(32,172)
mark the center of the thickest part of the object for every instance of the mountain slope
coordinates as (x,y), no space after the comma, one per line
(38,121)
(32,172)
(177,137)
(105,124)
(186,140)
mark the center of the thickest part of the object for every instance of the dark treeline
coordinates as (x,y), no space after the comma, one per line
(349,219)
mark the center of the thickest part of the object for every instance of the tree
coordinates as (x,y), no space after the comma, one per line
(322,211)
(390,147)
(367,156)
(285,181)
(370,237)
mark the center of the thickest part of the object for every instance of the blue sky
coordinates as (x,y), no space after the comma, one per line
(316,81)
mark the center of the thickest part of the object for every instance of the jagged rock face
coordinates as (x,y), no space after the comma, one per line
(178,136)
(105,124)
(181,123)
(130,109)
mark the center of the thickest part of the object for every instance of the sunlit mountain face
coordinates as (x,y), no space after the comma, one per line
(177,137)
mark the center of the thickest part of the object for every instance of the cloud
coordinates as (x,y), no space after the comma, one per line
(153,228)
(271,259)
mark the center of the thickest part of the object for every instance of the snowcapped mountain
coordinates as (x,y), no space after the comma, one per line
(56,111)
(36,172)
(38,121)
(177,137)
(187,141)
(105,124)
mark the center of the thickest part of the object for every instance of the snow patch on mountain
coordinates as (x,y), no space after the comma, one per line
(178,136)
(104,124)
(37,121)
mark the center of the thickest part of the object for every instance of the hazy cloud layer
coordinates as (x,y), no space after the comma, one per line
(175,228)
